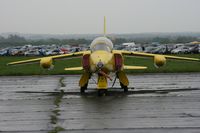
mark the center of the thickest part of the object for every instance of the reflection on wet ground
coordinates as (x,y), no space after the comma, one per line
(159,103)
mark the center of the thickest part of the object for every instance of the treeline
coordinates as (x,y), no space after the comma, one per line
(15,40)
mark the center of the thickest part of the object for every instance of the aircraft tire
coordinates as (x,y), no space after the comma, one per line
(102,92)
(124,87)
(83,88)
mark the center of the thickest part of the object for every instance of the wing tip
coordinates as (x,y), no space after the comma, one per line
(9,64)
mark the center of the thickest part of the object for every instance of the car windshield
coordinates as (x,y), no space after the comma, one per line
(101,47)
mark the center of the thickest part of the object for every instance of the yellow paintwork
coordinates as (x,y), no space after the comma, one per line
(134,67)
(102,82)
(153,55)
(74,69)
(46,62)
(159,60)
(105,57)
(104,26)
(84,79)
(123,78)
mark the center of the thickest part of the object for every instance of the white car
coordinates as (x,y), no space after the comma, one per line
(136,48)
(199,48)
(180,50)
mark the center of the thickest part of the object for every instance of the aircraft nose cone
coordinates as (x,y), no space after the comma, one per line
(100,64)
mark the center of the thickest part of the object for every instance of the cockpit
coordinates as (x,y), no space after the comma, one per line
(101,47)
(101,43)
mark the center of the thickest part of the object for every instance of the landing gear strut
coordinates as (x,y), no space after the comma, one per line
(124,87)
(83,88)
(102,92)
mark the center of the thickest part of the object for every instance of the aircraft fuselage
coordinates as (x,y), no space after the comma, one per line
(103,60)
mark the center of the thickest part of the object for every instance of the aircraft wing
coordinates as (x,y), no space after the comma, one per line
(37,60)
(74,69)
(131,53)
(135,67)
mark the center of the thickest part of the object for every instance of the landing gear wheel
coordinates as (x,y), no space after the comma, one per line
(124,87)
(102,92)
(83,88)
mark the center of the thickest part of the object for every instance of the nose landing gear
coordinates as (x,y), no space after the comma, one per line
(102,92)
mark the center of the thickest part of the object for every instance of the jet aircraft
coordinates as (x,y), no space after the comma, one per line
(102,59)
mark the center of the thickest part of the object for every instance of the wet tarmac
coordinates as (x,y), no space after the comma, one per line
(158,103)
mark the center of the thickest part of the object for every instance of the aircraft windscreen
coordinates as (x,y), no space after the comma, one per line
(101,47)
(101,43)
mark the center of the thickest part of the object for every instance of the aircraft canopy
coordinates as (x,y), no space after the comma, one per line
(101,43)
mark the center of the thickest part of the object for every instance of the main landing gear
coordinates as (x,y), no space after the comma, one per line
(124,87)
(102,84)
(83,83)
(83,88)
(123,80)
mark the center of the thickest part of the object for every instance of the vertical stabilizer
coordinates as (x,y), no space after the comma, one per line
(104,32)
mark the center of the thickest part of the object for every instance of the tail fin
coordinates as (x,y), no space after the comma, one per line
(104,33)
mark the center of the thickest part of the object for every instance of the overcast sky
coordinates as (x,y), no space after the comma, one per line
(86,16)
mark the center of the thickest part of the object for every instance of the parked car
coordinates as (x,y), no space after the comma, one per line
(64,50)
(159,50)
(178,45)
(150,49)
(3,53)
(181,50)
(75,49)
(136,48)
(193,48)
(32,53)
